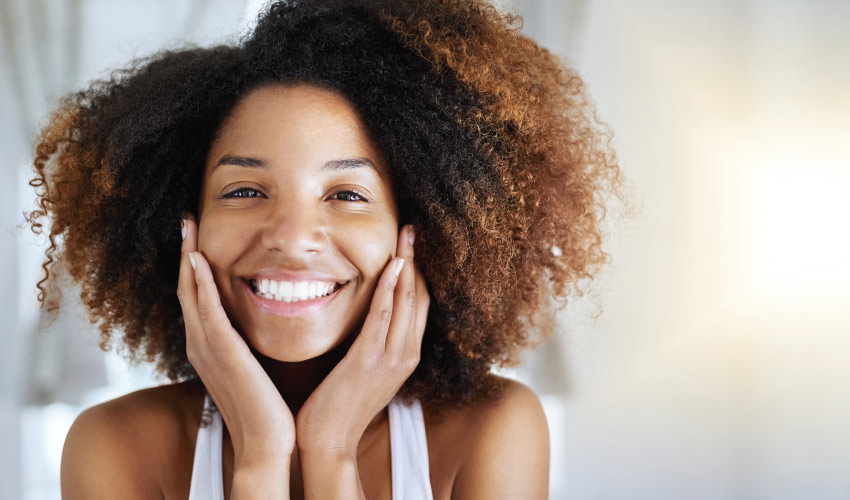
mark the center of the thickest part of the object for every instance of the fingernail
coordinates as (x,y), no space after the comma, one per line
(183,228)
(397,265)
(192,259)
(411,235)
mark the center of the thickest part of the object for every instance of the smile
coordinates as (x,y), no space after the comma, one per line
(287,291)
(291,299)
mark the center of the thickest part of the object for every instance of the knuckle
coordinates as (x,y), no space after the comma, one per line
(181,293)
(393,364)
(377,360)
(411,361)
(403,365)
(386,316)
(203,311)
(369,363)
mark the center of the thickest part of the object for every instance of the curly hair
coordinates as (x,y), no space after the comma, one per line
(496,155)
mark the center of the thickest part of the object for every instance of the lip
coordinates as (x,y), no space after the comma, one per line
(281,308)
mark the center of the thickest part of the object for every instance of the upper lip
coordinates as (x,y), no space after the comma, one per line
(293,276)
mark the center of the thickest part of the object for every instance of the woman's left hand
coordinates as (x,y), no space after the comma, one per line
(334,417)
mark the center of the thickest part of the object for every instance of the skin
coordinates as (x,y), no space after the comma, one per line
(303,398)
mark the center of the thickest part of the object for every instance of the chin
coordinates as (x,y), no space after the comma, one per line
(293,347)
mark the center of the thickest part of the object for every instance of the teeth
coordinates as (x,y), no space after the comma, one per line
(299,290)
(291,292)
(284,292)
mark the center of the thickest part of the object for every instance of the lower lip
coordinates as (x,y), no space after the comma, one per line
(281,308)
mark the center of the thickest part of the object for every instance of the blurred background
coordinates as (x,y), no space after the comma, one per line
(718,368)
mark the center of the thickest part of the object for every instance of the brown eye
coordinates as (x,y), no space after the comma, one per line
(350,196)
(243,192)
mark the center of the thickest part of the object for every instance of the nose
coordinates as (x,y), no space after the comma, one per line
(294,228)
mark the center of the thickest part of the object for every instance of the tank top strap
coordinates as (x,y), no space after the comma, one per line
(409,452)
(207,483)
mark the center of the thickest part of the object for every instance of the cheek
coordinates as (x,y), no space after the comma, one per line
(219,241)
(370,248)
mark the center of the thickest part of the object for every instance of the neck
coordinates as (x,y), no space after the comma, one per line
(297,380)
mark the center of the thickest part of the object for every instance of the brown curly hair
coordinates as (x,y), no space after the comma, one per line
(496,155)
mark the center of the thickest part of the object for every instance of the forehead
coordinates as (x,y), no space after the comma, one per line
(303,125)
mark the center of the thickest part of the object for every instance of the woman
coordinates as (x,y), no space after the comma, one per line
(376,200)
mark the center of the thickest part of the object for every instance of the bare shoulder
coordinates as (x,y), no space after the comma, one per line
(116,449)
(501,446)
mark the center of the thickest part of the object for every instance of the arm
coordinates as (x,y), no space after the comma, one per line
(331,476)
(258,480)
(99,460)
(509,456)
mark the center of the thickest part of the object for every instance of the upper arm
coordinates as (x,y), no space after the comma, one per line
(508,457)
(99,459)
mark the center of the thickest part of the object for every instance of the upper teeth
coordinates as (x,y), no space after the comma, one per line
(291,292)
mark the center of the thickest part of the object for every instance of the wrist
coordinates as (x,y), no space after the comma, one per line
(327,453)
(331,450)
(266,480)
(330,475)
(258,459)
(259,449)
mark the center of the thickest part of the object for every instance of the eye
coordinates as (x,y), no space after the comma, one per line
(350,195)
(243,192)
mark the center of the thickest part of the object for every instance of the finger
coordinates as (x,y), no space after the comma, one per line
(185,277)
(186,286)
(221,336)
(423,303)
(378,319)
(413,344)
(404,300)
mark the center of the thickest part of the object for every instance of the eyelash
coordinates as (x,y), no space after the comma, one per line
(355,193)
(233,194)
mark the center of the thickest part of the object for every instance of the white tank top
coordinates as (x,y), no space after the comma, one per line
(408,452)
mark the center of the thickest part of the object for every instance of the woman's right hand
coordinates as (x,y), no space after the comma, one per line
(260,423)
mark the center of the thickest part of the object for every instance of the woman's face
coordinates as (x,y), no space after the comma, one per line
(296,197)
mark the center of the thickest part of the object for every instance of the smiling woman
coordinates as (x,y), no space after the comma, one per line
(368,195)
(303,203)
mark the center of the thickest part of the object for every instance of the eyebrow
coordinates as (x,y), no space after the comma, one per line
(343,164)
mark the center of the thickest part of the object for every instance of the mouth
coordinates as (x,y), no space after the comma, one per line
(293,292)
(291,299)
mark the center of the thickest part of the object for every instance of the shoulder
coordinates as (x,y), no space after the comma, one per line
(501,445)
(115,449)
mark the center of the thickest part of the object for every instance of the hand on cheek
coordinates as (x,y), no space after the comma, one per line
(259,421)
(382,357)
